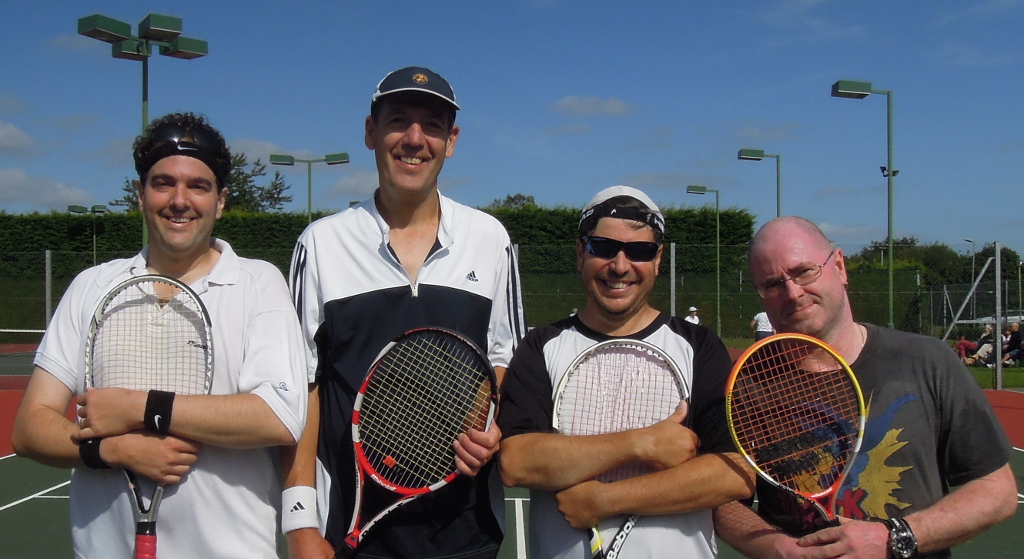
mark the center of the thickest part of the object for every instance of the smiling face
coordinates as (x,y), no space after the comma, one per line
(617,288)
(181,204)
(412,136)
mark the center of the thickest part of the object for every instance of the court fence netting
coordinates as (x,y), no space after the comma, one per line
(33,283)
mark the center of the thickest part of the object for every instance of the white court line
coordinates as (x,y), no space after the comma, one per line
(8,456)
(30,497)
(520,527)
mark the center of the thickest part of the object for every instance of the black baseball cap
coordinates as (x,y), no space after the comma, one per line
(415,78)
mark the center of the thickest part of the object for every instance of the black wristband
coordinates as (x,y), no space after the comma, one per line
(89,450)
(158,411)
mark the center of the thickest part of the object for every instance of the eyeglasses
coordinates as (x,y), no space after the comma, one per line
(636,251)
(805,274)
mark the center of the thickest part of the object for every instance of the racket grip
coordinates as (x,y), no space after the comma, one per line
(596,545)
(145,540)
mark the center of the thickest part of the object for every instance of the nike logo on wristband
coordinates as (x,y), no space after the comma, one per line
(156,421)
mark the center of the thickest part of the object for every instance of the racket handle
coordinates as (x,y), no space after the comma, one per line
(347,548)
(145,540)
(596,545)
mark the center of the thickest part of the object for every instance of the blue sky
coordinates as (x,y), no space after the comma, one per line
(560,98)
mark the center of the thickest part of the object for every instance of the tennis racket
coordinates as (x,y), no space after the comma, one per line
(613,386)
(149,333)
(796,413)
(424,389)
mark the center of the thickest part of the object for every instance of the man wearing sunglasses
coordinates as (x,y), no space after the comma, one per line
(618,253)
(217,452)
(929,427)
(408,257)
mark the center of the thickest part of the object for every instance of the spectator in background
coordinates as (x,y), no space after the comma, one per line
(761,326)
(692,317)
(965,348)
(1011,344)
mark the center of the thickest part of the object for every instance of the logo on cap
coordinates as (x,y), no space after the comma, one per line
(420,79)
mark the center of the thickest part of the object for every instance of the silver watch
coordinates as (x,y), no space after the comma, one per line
(902,542)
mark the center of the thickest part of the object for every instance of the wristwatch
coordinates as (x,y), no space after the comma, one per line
(902,542)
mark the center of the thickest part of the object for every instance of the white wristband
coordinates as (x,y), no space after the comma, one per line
(298,508)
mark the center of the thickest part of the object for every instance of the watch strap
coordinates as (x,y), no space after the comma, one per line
(902,542)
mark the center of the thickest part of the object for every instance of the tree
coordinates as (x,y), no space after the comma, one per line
(243,192)
(513,202)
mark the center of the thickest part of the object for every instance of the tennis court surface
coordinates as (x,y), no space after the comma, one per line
(34,505)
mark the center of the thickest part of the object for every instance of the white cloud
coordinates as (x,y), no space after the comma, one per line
(68,41)
(851,233)
(589,106)
(258,149)
(357,184)
(13,140)
(19,191)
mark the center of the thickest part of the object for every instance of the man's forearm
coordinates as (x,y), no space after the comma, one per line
(702,483)
(966,512)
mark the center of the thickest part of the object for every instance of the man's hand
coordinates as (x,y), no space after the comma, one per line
(668,443)
(581,504)
(307,543)
(164,459)
(474,449)
(852,539)
(106,412)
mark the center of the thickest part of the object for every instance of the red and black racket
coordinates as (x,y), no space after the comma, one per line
(617,385)
(425,388)
(149,333)
(796,413)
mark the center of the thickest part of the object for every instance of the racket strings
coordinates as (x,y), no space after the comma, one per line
(151,336)
(795,411)
(615,389)
(424,392)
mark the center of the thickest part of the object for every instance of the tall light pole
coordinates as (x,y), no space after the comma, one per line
(698,189)
(95,210)
(974,296)
(858,90)
(155,30)
(1020,298)
(330,159)
(759,154)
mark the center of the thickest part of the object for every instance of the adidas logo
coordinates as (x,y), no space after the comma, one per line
(472,276)
(297,507)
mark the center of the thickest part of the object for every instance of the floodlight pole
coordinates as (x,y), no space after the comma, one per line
(746,154)
(858,90)
(698,189)
(330,159)
(155,30)
(96,209)
(974,310)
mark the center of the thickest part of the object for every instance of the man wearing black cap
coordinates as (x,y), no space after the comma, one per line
(618,254)
(220,454)
(406,258)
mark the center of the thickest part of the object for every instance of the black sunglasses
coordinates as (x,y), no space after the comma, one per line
(636,251)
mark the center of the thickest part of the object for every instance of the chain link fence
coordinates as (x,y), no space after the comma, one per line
(552,290)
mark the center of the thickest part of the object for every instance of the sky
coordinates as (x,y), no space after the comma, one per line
(560,99)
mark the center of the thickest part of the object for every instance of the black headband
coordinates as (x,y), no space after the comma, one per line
(171,139)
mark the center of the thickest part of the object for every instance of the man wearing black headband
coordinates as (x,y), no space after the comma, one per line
(408,257)
(618,253)
(219,453)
